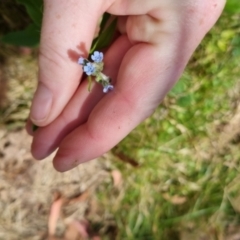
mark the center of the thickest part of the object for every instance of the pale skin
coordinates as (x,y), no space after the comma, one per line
(157,39)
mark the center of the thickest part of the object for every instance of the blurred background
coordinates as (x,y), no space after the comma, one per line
(175,177)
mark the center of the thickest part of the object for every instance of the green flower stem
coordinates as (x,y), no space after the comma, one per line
(89,83)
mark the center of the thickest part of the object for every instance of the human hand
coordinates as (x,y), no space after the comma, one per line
(156,41)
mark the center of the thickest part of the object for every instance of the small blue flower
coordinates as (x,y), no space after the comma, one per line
(81,61)
(107,88)
(89,69)
(97,57)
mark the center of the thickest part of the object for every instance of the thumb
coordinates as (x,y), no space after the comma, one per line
(67,32)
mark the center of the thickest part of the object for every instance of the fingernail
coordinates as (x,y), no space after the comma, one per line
(41,105)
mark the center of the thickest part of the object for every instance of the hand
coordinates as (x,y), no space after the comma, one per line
(156,41)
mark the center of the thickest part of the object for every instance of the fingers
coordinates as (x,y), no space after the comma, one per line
(140,7)
(67,32)
(149,21)
(48,138)
(147,73)
(140,87)
(68,29)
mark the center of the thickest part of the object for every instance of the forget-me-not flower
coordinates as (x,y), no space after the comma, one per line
(107,88)
(81,61)
(89,68)
(97,57)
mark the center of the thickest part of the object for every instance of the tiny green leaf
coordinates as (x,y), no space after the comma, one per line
(105,18)
(105,36)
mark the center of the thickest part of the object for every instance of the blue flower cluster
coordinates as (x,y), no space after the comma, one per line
(95,69)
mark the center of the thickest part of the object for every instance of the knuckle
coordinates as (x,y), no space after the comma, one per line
(143,28)
(51,58)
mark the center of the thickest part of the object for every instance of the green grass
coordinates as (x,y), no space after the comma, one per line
(186,177)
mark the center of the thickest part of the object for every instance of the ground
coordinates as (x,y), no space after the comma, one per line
(36,201)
